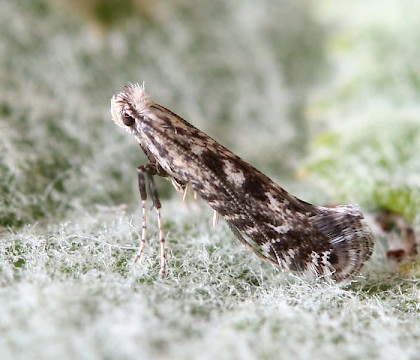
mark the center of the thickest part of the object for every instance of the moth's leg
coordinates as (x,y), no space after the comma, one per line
(184,195)
(150,171)
(215,218)
(143,195)
(249,246)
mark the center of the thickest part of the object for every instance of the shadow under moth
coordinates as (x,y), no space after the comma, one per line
(328,242)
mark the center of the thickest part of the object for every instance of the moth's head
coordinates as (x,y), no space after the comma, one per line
(129,106)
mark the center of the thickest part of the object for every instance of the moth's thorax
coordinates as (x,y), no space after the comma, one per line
(146,143)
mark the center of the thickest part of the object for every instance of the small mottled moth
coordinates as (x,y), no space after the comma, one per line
(329,242)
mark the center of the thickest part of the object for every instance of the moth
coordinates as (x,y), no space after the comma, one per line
(329,242)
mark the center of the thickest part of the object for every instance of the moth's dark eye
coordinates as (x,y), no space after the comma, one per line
(128,120)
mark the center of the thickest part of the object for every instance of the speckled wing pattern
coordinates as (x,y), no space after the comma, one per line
(331,242)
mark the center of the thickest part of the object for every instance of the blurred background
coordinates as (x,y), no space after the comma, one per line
(323,96)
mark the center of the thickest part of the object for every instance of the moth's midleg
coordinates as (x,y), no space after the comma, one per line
(162,245)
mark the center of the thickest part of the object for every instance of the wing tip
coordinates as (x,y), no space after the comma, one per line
(346,229)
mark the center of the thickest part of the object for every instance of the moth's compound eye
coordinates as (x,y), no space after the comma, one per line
(128,120)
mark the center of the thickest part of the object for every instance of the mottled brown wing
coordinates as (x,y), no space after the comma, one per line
(285,230)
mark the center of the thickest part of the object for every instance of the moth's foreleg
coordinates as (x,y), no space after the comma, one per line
(146,175)
(148,171)
(143,195)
